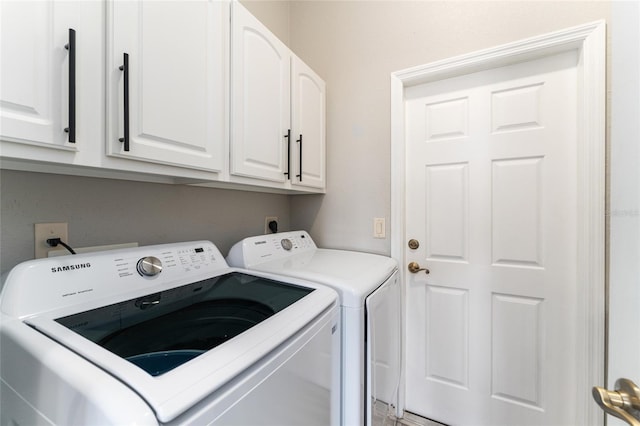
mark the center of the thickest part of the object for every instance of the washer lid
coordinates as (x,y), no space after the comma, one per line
(354,275)
(177,346)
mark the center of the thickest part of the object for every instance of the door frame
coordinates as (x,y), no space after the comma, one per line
(589,40)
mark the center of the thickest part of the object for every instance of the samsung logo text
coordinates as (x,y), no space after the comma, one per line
(71,267)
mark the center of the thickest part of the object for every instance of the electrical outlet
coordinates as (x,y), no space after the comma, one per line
(267,220)
(44,231)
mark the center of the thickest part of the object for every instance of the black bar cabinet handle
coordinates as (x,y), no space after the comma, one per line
(125,67)
(288,136)
(300,152)
(71,47)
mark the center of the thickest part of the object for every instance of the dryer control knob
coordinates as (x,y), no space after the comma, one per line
(149,266)
(286,244)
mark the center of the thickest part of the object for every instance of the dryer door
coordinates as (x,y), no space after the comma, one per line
(384,331)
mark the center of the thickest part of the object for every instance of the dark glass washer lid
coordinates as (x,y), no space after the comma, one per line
(161,331)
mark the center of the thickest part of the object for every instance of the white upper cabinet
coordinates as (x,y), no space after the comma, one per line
(166,82)
(277,111)
(169,91)
(260,103)
(308,123)
(49,51)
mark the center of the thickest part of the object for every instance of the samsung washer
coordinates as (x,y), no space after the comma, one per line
(165,334)
(370,299)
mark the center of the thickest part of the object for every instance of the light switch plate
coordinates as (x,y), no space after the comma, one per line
(379,230)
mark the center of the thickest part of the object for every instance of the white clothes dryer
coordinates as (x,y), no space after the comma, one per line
(166,334)
(370,297)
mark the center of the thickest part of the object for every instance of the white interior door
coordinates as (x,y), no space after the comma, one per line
(491,189)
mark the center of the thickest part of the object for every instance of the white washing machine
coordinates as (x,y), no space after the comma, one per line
(166,334)
(370,299)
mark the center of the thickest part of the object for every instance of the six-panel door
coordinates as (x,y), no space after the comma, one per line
(491,184)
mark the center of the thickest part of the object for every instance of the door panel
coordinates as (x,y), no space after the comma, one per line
(491,169)
(447,213)
(34,75)
(261,72)
(516,210)
(516,348)
(308,121)
(446,346)
(176,81)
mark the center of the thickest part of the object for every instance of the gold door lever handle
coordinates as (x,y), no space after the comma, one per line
(624,402)
(415,267)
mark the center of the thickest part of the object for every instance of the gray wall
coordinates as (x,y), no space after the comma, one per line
(355,46)
(109,211)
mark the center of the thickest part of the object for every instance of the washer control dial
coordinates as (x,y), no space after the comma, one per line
(286,244)
(149,266)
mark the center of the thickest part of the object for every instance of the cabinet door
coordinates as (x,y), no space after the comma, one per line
(176,87)
(260,99)
(34,66)
(308,116)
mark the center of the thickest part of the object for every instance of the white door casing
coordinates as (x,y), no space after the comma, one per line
(587,42)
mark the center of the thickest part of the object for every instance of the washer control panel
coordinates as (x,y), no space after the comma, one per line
(182,259)
(57,282)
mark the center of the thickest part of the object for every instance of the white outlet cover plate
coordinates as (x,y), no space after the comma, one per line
(266,223)
(44,231)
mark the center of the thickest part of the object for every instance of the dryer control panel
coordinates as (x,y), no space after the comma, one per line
(262,248)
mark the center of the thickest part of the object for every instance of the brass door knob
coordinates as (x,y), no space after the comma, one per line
(415,267)
(624,402)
